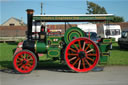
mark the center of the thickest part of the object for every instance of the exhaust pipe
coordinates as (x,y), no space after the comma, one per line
(29,23)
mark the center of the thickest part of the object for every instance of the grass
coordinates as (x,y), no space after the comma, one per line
(6,54)
(118,57)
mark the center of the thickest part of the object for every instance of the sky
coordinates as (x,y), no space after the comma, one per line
(16,8)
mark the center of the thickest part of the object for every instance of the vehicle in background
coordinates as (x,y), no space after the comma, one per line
(91,32)
(110,31)
(93,36)
(123,41)
(88,27)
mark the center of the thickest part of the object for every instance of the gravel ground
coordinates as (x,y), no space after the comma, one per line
(112,75)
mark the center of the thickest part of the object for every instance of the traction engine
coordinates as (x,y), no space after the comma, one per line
(80,53)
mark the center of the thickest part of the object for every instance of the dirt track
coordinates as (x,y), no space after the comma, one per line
(114,75)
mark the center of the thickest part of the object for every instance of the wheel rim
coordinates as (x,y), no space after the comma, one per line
(82,55)
(24,62)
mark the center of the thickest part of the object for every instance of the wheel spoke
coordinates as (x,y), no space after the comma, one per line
(79,64)
(30,58)
(24,55)
(72,58)
(88,47)
(72,50)
(29,65)
(30,61)
(87,62)
(90,51)
(79,44)
(75,46)
(22,67)
(20,59)
(73,54)
(26,67)
(76,61)
(83,63)
(90,59)
(83,45)
(91,54)
(19,64)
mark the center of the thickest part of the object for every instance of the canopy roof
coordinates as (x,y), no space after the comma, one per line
(73,17)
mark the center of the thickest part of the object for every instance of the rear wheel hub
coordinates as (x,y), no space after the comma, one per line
(24,62)
(81,54)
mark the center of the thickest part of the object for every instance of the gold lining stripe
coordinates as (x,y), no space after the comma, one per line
(35,46)
(53,55)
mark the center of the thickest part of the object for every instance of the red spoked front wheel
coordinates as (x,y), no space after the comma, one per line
(82,55)
(24,61)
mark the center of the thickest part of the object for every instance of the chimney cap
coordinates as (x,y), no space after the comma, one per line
(30,11)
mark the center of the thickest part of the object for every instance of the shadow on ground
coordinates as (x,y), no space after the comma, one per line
(115,48)
(7,67)
(118,48)
(43,65)
(12,43)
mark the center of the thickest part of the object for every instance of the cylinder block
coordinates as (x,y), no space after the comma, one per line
(72,33)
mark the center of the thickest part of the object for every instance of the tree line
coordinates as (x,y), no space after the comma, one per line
(93,8)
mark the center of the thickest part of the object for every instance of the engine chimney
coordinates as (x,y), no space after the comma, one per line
(29,23)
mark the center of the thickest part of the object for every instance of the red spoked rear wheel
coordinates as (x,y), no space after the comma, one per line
(82,55)
(24,61)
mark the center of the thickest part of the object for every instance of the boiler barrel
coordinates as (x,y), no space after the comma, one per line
(40,47)
(35,46)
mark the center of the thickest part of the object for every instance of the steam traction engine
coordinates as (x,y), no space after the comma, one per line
(80,53)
